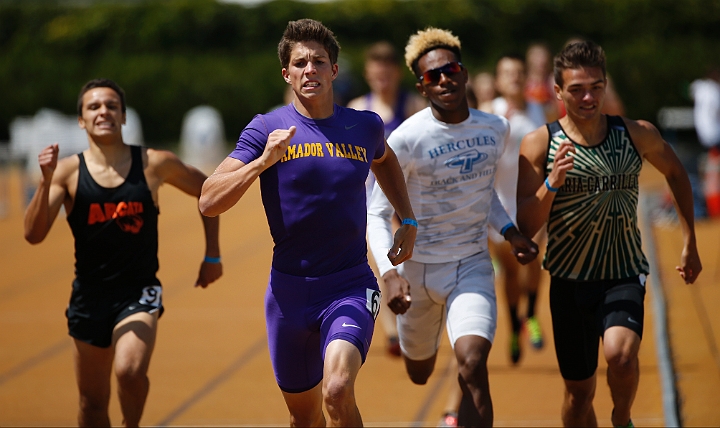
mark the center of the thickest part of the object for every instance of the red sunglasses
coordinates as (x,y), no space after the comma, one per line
(449,69)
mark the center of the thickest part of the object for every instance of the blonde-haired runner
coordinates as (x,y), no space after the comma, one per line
(449,154)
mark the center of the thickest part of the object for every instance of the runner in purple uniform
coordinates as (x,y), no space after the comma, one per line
(312,158)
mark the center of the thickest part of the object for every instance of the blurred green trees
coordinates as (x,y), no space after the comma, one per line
(172,55)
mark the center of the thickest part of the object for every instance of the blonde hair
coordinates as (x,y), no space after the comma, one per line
(427,40)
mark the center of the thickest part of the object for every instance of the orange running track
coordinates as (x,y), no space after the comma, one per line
(211,364)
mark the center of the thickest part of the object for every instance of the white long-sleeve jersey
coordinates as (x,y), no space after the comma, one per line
(449,170)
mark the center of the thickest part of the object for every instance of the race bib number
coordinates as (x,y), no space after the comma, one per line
(152,296)
(373,302)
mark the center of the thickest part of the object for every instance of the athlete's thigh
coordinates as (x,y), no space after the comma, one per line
(472,305)
(420,328)
(134,341)
(624,305)
(305,406)
(294,346)
(623,317)
(351,318)
(342,361)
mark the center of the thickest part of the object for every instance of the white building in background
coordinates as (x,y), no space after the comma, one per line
(132,131)
(29,135)
(202,138)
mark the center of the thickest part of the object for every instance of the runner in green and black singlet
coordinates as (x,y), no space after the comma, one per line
(580,176)
(592,229)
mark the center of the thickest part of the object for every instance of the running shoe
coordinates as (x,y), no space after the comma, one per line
(515,348)
(393,346)
(448,419)
(532,325)
(629,425)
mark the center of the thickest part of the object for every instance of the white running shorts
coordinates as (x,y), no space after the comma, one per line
(461,292)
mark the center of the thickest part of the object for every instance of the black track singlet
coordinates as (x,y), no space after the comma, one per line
(115,229)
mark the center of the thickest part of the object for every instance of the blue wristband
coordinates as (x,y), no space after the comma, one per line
(505,228)
(214,260)
(549,187)
(410,221)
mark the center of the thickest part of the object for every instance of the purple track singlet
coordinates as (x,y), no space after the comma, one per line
(314,197)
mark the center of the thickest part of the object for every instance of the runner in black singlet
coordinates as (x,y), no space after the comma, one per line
(110,194)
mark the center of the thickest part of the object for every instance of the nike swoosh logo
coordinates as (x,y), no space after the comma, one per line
(350,127)
(349,325)
(632,320)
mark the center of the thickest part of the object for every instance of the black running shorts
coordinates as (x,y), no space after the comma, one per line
(583,310)
(92,316)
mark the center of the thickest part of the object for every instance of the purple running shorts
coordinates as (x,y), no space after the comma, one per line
(304,314)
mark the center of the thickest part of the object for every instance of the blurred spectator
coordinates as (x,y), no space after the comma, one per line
(706,94)
(540,82)
(202,138)
(288,97)
(383,73)
(518,280)
(483,89)
(613,104)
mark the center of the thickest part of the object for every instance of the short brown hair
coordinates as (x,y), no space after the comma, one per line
(576,55)
(307,30)
(100,83)
(382,52)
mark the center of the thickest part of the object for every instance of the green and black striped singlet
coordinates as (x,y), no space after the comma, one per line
(592,229)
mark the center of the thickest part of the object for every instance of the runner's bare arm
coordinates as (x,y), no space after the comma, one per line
(170,169)
(534,199)
(224,188)
(50,194)
(659,154)
(390,177)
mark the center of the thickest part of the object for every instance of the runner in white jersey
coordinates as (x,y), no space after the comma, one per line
(449,154)
(518,281)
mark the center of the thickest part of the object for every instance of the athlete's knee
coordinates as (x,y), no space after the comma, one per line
(580,400)
(473,373)
(94,403)
(622,359)
(338,389)
(579,395)
(623,364)
(472,355)
(131,375)
(307,418)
